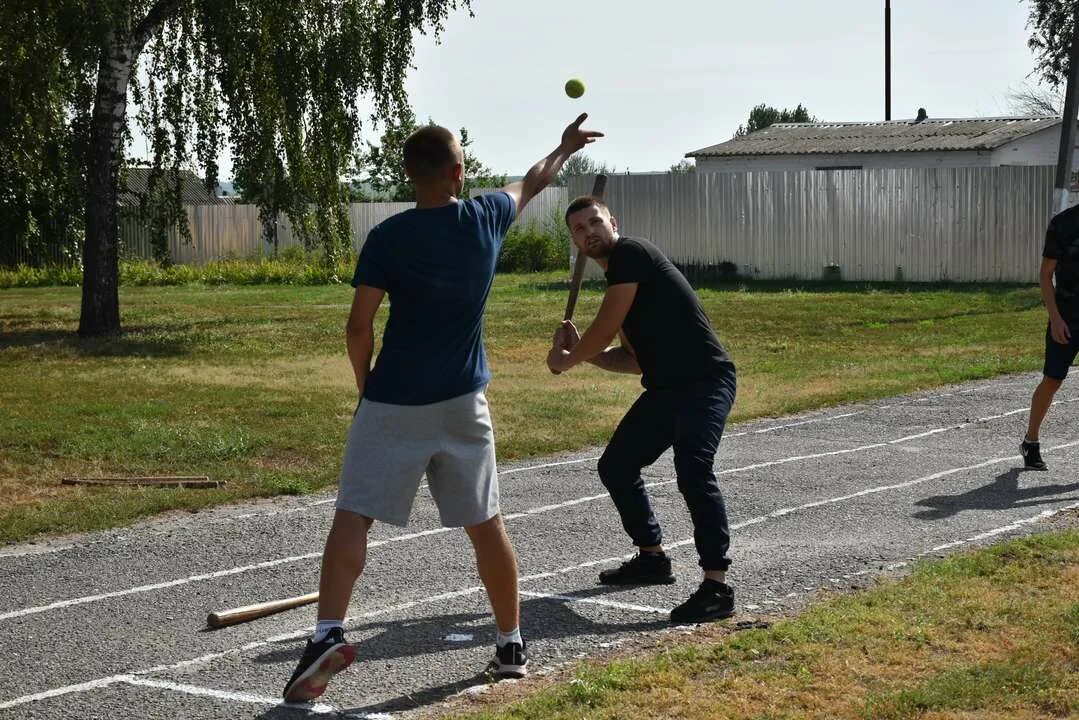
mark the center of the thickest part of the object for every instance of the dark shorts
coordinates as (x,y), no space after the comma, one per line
(1059,358)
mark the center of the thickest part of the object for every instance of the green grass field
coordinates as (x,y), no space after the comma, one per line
(251,385)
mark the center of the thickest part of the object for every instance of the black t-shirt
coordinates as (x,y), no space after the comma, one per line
(1062,245)
(666,325)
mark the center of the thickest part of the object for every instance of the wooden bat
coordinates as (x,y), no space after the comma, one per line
(598,187)
(194,481)
(258,610)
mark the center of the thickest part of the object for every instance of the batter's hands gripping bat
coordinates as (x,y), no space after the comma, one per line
(598,187)
(259,610)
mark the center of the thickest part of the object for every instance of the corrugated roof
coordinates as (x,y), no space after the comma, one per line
(192,190)
(880,137)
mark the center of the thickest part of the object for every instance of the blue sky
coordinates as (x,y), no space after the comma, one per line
(672,77)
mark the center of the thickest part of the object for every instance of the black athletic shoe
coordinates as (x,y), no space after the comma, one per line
(641,569)
(320,662)
(1032,456)
(510,661)
(713,600)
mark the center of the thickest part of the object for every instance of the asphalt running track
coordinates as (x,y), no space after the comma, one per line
(110,625)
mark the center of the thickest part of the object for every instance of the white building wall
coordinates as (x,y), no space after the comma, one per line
(1041,148)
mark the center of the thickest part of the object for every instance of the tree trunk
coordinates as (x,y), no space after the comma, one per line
(100,288)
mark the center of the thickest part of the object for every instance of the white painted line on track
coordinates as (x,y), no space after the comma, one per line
(242,697)
(205,576)
(810,421)
(306,630)
(884,488)
(47,550)
(319,503)
(861,448)
(277,639)
(594,601)
(156,586)
(1001,530)
(43,550)
(203,659)
(61,604)
(1018,524)
(903,403)
(274,513)
(61,691)
(575,461)
(53,549)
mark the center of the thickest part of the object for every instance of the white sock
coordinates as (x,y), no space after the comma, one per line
(322,629)
(513,636)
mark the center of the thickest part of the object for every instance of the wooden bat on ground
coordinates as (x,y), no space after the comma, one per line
(258,610)
(194,481)
(598,187)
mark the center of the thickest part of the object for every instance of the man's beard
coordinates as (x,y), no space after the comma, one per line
(599,251)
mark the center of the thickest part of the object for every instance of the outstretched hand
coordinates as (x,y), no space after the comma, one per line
(574,137)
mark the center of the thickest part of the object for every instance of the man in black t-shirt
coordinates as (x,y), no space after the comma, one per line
(689,386)
(1060,259)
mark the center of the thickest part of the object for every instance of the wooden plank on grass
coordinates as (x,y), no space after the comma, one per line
(195,481)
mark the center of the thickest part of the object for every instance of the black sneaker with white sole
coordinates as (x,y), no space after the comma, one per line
(713,600)
(1032,455)
(644,568)
(510,661)
(320,662)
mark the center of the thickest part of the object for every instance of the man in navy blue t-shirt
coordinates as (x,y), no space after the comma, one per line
(423,410)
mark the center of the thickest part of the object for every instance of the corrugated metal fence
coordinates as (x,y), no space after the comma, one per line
(919,224)
(222,231)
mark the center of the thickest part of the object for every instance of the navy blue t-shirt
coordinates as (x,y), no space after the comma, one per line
(436,266)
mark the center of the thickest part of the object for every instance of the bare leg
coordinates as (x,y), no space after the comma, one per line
(497,565)
(342,562)
(1039,405)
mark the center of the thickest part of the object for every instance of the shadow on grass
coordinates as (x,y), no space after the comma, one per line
(149,341)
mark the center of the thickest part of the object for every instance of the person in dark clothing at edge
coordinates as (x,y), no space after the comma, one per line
(689,388)
(1060,260)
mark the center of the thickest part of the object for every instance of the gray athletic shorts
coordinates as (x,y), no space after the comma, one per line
(390,447)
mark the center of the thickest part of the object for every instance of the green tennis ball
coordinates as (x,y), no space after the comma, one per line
(574,88)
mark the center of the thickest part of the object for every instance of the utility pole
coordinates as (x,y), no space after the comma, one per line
(887,59)
(1067,128)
